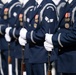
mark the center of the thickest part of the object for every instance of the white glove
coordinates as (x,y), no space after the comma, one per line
(48,46)
(7,37)
(7,30)
(48,38)
(22,42)
(23,33)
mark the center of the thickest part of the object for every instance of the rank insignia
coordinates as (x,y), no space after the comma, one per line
(66,25)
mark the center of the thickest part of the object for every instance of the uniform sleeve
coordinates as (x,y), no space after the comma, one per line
(66,38)
(46,26)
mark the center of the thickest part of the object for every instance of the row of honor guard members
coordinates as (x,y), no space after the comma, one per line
(64,38)
(10,16)
(4,44)
(19,23)
(38,23)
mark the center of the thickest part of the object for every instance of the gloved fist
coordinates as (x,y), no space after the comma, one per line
(23,33)
(7,37)
(7,30)
(48,46)
(22,41)
(48,38)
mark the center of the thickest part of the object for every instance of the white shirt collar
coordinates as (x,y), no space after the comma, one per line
(39,1)
(4,1)
(56,2)
(69,1)
(25,1)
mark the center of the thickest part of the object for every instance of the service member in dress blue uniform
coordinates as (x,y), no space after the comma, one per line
(12,14)
(39,57)
(18,20)
(65,39)
(1,53)
(1,7)
(3,59)
(40,21)
(4,44)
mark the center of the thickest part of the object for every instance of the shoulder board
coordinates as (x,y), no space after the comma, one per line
(48,5)
(25,12)
(73,14)
(17,3)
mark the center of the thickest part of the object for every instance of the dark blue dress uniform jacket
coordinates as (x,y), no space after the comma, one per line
(4,44)
(65,39)
(19,24)
(38,54)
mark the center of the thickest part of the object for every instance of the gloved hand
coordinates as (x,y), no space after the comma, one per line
(48,46)
(7,30)
(7,37)
(23,33)
(22,41)
(48,38)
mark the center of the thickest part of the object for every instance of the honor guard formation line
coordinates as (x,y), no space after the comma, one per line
(37,37)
